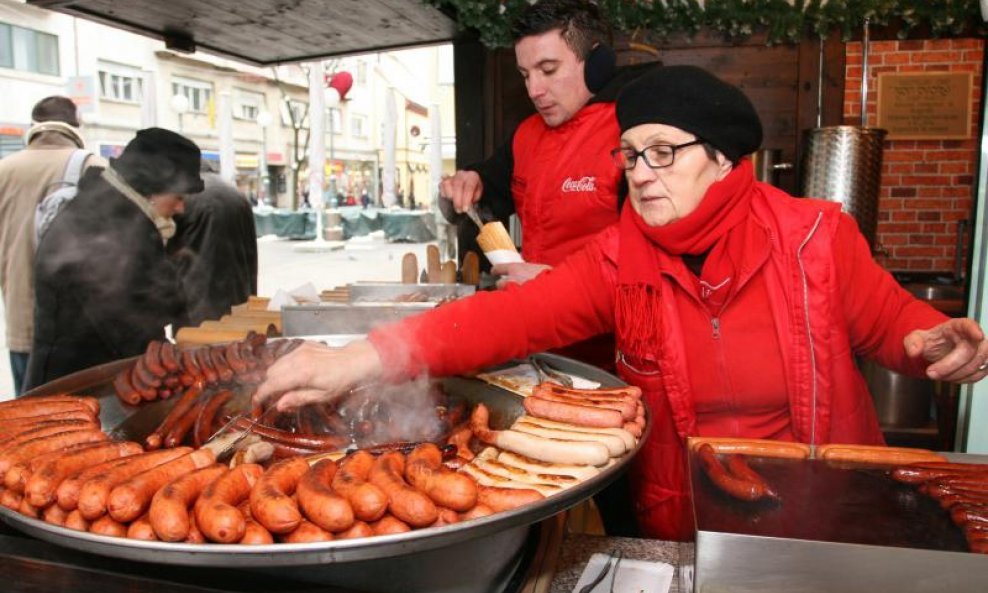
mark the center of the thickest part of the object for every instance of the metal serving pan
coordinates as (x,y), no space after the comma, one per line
(344,318)
(387,292)
(496,532)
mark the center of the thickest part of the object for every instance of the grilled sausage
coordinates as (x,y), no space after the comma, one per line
(389,524)
(739,468)
(188,399)
(30,449)
(42,429)
(54,515)
(369,502)
(536,447)
(169,511)
(312,442)
(184,425)
(41,486)
(169,357)
(505,499)
(424,470)
(307,532)
(141,529)
(404,502)
(255,534)
(106,525)
(45,407)
(216,510)
(573,413)
(67,494)
(93,493)
(8,427)
(357,530)
(319,502)
(207,417)
(152,360)
(271,501)
(128,500)
(75,520)
(124,389)
(732,485)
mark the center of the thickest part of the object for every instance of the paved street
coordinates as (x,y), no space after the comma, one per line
(284,265)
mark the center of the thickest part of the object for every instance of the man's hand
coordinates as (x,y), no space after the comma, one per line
(316,373)
(518,273)
(956,348)
(463,189)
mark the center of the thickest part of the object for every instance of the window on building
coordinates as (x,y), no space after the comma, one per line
(120,83)
(361,72)
(199,93)
(358,126)
(28,50)
(248,104)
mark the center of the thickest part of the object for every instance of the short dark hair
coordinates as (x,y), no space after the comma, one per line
(578,21)
(56,108)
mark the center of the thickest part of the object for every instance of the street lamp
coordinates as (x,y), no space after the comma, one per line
(180,105)
(264,120)
(332,97)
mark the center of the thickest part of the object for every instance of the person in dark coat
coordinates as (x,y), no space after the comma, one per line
(215,248)
(104,286)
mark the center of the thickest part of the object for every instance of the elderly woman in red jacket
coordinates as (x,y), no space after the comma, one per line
(737,309)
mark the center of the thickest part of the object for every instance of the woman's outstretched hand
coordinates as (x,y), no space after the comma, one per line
(316,373)
(956,349)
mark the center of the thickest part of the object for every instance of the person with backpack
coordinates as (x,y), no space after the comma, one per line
(104,284)
(55,150)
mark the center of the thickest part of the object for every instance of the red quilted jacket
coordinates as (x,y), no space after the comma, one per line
(828,301)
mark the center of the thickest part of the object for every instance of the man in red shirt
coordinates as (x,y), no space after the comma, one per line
(555,171)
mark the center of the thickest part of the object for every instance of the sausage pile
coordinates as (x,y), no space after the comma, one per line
(567,437)
(165,370)
(961,489)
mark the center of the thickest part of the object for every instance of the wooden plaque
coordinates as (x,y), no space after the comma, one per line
(925,105)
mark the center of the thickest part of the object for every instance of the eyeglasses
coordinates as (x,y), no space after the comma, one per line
(656,156)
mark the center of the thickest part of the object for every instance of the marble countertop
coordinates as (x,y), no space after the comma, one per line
(576,550)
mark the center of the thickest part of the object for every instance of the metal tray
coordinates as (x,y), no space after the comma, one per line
(501,530)
(384,292)
(344,318)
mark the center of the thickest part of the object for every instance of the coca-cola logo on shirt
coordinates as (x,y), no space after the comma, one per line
(587,183)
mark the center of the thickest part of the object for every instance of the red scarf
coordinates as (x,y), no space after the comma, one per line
(712,228)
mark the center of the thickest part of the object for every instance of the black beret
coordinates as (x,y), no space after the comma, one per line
(160,161)
(696,101)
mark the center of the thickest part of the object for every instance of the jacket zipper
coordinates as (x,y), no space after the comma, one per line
(715,322)
(809,333)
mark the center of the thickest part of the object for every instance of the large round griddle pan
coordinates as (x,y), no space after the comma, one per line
(134,422)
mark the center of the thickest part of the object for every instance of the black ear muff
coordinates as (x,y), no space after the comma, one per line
(598,68)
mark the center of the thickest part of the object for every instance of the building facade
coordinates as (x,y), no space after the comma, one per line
(123,82)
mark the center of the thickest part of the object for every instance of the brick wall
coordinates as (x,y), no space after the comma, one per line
(927,186)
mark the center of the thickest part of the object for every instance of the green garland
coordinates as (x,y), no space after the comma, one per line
(782,20)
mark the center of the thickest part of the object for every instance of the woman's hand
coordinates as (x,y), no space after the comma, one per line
(518,273)
(316,373)
(956,348)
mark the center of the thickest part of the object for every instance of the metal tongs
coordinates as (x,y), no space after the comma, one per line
(547,373)
(227,439)
(612,562)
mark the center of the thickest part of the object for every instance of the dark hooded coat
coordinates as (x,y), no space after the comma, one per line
(215,248)
(104,286)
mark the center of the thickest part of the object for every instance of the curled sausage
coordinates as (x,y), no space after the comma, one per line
(216,511)
(207,416)
(736,487)
(424,471)
(389,524)
(106,525)
(357,530)
(124,389)
(271,501)
(169,511)
(404,502)
(255,534)
(739,468)
(169,357)
(319,502)
(152,360)
(369,502)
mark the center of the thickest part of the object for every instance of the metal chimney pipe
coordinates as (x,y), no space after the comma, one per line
(865,42)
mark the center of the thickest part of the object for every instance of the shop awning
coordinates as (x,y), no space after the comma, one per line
(266,32)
